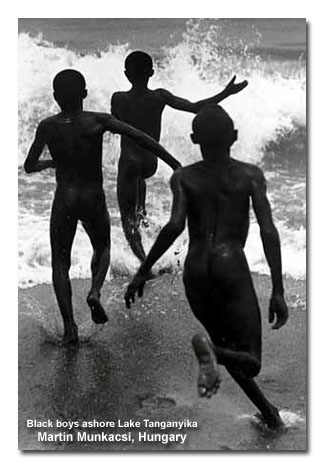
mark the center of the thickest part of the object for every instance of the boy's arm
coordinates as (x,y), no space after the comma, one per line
(164,240)
(114,104)
(117,126)
(272,250)
(32,163)
(183,104)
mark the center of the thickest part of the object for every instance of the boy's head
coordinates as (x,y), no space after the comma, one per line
(138,66)
(212,126)
(69,86)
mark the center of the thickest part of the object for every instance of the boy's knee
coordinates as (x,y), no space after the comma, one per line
(248,370)
(102,245)
(60,264)
(252,368)
(60,274)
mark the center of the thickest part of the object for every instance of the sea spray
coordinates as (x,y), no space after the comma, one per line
(270,115)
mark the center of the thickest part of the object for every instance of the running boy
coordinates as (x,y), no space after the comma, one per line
(74,138)
(214,195)
(142,108)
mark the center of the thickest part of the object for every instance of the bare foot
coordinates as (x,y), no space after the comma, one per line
(98,313)
(272,420)
(142,220)
(165,270)
(150,276)
(70,337)
(209,378)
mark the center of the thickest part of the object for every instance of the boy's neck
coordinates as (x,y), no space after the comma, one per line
(139,86)
(215,154)
(73,108)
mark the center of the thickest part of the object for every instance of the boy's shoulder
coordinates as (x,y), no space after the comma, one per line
(185,172)
(193,167)
(117,95)
(48,121)
(249,169)
(163,94)
(53,120)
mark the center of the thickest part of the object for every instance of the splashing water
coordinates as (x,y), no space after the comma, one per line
(270,116)
(289,418)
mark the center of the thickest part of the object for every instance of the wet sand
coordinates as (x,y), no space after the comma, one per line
(141,366)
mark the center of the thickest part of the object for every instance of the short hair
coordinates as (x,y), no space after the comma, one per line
(212,125)
(139,62)
(69,84)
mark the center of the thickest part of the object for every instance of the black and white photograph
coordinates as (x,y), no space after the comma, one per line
(162,234)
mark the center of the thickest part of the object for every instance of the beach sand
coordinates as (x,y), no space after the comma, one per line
(141,366)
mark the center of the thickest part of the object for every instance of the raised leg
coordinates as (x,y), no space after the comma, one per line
(209,378)
(235,330)
(244,363)
(62,231)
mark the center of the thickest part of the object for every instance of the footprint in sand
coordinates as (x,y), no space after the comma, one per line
(157,402)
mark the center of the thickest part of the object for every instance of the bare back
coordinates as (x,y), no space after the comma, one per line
(144,112)
(75,144)
(218,202)
(141,110)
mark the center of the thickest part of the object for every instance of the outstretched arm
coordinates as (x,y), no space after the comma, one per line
(32,163)
(114,125)
(183,104)
(164,240)
(272,250)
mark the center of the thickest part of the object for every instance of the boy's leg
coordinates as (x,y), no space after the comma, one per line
(141,204)
(62,231)
(141,200)
(243,317)
(127,194)
(209,377)
(269,412)
(97,226)
(244,365)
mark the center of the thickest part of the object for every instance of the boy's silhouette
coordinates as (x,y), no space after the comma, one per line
(74,138)
(142,108)
(214,195)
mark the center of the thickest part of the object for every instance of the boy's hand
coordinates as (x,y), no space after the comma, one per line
(278,308)
(233,88)
(136,285)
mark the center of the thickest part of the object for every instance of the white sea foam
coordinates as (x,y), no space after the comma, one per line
(272,105)
(289,418)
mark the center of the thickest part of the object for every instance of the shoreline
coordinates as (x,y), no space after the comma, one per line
(141,365)
(289,280)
